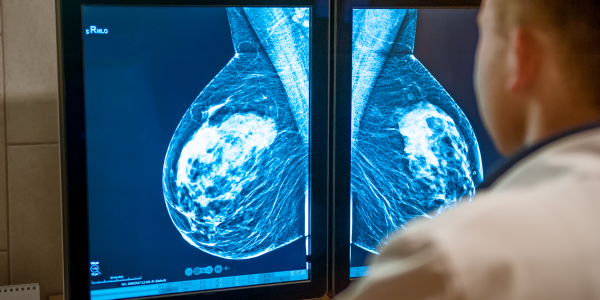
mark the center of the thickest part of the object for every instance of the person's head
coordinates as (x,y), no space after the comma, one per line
(537,68)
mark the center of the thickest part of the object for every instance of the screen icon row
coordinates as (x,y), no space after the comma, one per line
(208,270)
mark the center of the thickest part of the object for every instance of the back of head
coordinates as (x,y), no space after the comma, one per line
(575,28)
(537,69)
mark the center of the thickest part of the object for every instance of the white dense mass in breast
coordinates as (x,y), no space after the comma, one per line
(432,141)
(214,163)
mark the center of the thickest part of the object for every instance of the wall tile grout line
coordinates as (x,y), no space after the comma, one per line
(5,142)
(31,144)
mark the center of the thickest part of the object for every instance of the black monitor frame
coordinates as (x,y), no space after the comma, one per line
(341,163)
(74,161)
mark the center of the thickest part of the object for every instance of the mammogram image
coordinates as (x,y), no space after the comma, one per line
(235,175)
(414,153)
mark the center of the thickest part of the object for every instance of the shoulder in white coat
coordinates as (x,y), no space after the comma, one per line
(535,234)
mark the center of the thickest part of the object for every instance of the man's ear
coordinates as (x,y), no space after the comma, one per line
(524,55)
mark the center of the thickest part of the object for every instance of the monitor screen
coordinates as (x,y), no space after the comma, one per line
(197,132)
(418,145)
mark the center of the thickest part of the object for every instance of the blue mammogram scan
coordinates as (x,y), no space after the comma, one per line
(235,176)
(414,152)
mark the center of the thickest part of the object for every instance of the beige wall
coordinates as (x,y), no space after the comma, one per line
(30,204)
(30,209)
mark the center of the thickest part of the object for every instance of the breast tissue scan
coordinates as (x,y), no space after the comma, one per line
(414,151)
(197,147)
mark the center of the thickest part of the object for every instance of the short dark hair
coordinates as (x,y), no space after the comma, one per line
(576,29)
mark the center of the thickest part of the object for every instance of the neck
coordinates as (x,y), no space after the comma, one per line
(545,121)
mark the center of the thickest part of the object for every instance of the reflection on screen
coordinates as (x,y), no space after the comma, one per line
(198,140)
(414,153)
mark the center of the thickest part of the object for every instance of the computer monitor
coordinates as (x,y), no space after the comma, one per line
(193,161)
(413,143)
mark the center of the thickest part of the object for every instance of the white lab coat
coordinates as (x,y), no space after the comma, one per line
(535,234)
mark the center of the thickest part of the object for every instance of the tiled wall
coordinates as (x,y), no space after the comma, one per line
(30,205)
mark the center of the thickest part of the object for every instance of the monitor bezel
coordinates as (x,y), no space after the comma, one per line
(73,151)
(340,178)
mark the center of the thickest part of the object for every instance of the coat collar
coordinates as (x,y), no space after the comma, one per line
(525,153)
